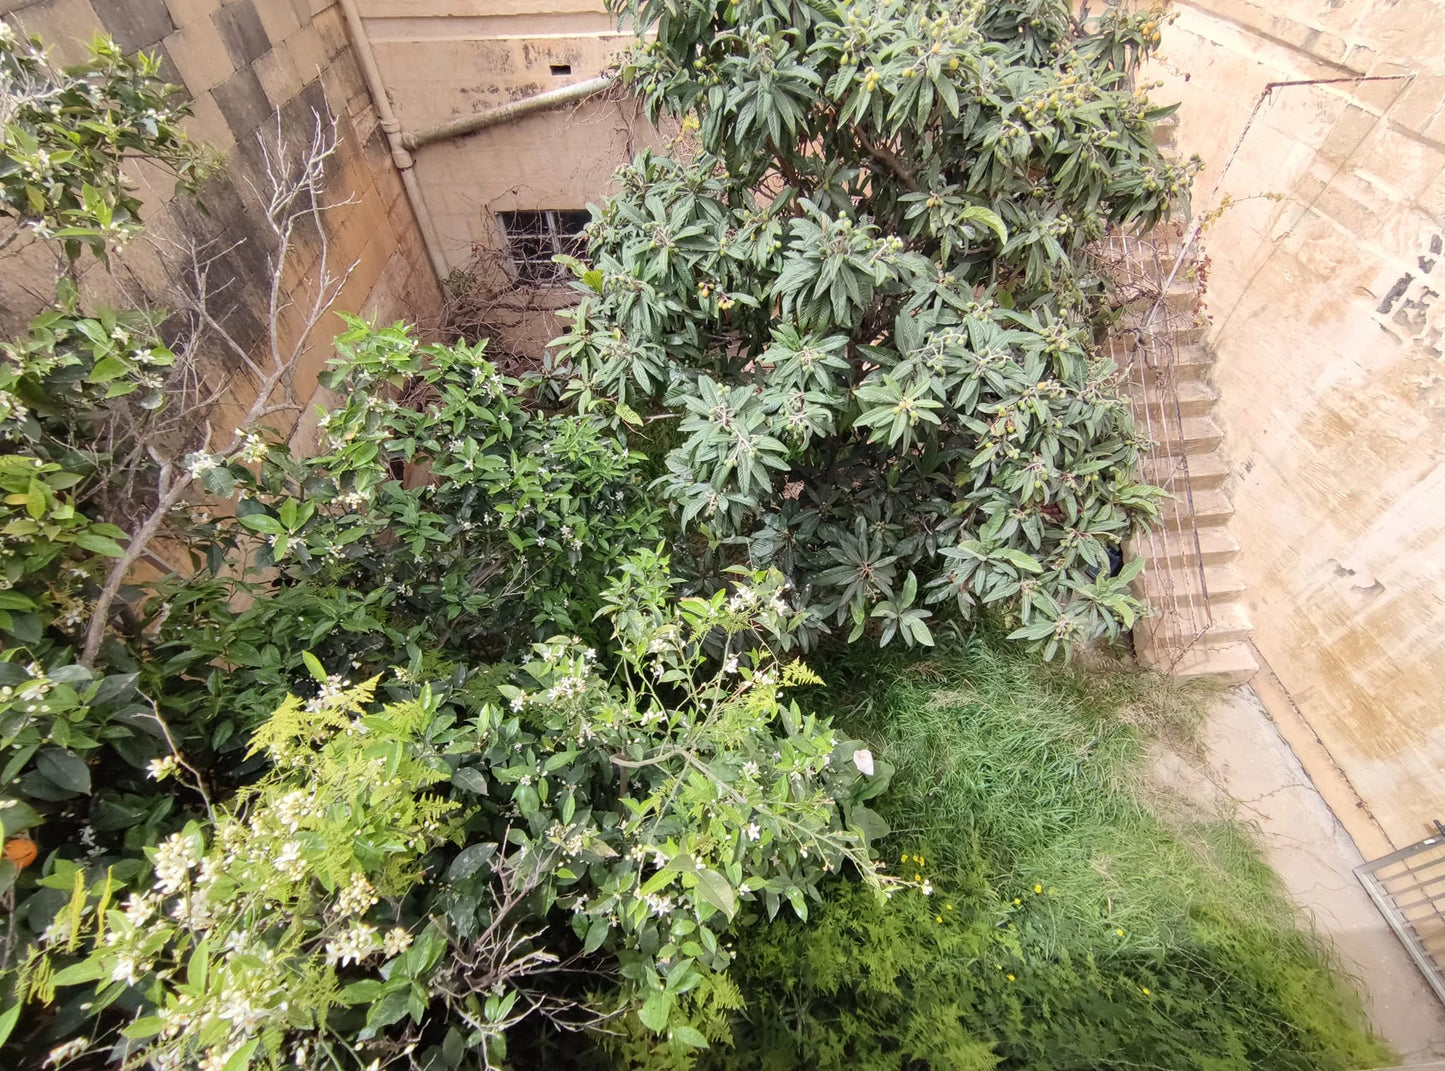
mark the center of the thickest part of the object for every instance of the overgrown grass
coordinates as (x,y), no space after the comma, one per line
(1033,774)
(1071,924)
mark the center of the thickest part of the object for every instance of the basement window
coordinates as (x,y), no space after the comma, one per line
(560,70)
(535,237)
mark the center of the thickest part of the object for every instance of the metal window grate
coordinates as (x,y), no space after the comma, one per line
(1145,343)
(535,237)
(1408,886)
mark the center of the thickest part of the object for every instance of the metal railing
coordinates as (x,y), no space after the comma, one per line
(1408,886)
(1145,344)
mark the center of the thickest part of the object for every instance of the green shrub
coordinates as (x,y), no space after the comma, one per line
(866,303)
(65,133)
(1052,922)
(427,872)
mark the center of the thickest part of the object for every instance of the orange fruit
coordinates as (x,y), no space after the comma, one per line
(20,851)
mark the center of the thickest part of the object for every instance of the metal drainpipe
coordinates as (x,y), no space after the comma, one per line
(403,160)
(540,102)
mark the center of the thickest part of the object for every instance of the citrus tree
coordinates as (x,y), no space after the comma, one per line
(865,301)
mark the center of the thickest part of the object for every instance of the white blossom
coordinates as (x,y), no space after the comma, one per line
(174,858)
(254,447)
(139,909)
(863,759)
(289,863)
(61,1054)
(356,897)
(126,970)
(396,942)
(353,946)
(200,462)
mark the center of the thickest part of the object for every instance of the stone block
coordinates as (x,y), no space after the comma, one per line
(136,24)
(367,126)
(1353,205)
(246,39)
(278,76)
(279,17)
(200,55)
(208,124)
(308,52)
(1385,95)
(1361,58)
(1328,47)
(332,27)
(243,102)
(1422,104)
(185,12)
(300,115)
(1349,134)
(1402,160)
(66,26)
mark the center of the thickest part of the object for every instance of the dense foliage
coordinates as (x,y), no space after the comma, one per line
(564,816)
(417,753)
(1054,922)
(865,301)
(62,133)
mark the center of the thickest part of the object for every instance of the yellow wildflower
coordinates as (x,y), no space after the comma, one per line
(1119,932)
(1145,990)
(1011,978)
(1038,889)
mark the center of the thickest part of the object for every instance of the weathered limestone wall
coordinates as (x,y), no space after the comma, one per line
(444,59)
(1324,289)
(240,61)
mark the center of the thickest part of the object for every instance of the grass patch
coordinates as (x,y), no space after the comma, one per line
(1067,926)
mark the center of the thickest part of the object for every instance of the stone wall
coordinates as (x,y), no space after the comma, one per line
(255,70)
(444,59)
(1325,279)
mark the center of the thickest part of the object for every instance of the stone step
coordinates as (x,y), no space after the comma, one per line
(1217,546)
(1228,663)
(1201,435)
(1165,130)
(1189,397)
(1211,508)
(1223,584)
(1177,308)
(1191,333)
(1190,361)
(1230,624)
(1204,471)
(1190,436)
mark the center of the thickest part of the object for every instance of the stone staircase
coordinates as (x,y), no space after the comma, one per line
(1199,625)
(1189,563)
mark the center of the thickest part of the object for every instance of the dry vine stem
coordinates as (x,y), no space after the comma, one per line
(295,207)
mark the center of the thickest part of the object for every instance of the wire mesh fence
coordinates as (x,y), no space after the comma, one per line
(1409,888)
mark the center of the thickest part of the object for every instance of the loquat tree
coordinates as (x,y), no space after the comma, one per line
(867,302)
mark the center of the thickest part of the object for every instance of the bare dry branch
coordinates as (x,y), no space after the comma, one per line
(295,205)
